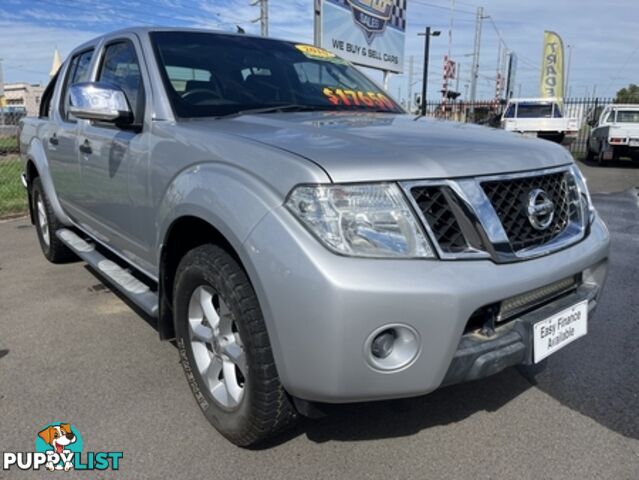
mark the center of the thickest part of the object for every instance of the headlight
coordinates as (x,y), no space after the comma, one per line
(368,220)
(588,208)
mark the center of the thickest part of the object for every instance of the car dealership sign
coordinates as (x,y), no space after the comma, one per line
(365,32)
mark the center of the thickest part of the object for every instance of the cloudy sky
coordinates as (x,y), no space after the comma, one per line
(604,34)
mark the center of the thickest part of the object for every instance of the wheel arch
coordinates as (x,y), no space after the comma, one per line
(184,234)
(38,166)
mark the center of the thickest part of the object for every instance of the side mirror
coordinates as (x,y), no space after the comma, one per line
(99,101)
(592,122)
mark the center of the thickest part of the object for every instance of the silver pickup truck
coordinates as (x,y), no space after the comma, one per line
(303,239)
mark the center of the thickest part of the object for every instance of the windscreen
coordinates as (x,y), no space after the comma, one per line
(208,74)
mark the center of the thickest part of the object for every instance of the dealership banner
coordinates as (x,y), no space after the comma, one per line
(366,32)
(552,67)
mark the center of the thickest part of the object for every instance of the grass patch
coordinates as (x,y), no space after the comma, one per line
(8,145)
(13,196)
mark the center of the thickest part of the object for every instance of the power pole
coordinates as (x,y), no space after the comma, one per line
(446,80)
(411,59)
(499,78)
(317,24)
(263,18)
(475,70)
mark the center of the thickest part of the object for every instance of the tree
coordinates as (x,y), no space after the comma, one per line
(629,94)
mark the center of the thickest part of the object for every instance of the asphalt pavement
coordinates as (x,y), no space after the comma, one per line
(71,350)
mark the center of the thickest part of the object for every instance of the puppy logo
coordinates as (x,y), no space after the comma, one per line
(61,439)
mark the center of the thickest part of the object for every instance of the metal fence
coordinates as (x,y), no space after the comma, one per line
(13,199)
(489,113)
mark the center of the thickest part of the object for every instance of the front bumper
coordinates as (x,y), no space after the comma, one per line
(479,356)
(320,308)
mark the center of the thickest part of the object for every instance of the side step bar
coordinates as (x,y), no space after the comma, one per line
(136,291)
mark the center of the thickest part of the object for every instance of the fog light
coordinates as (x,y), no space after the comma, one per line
(382,345)
(392,347)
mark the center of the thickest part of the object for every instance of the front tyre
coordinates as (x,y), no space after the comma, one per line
(46,225)
(225,350)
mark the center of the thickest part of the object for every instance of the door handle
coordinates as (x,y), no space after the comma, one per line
(53,139)
(86,147)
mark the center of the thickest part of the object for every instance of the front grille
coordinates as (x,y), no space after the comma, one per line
(435,207)
(510,200)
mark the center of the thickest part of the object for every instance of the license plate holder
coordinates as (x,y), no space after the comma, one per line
(558,330)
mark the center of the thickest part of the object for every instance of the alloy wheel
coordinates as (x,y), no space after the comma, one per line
(217,347)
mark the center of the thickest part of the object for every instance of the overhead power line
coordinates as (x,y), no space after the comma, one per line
(432,5)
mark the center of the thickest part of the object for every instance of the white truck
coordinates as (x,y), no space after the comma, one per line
(616,134)
(540,117)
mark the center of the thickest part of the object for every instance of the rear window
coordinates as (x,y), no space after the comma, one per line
(628,116)
(533,110)
(180,76)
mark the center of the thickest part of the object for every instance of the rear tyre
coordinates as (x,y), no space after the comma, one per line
(46,225)
(225,350)
(590,155)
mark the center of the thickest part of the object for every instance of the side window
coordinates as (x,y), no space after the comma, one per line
(610,117)
(120,67)
(510,111)
(78,72)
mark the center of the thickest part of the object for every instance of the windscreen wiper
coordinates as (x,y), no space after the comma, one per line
(290,107)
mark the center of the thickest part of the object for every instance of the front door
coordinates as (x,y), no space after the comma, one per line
(114,163)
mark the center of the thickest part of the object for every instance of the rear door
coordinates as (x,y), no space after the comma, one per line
(61,145)
(114,160)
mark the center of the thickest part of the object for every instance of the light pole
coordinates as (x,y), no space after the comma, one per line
(427,34)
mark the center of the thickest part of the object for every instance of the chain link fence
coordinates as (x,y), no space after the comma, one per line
(489,113)
(13,198)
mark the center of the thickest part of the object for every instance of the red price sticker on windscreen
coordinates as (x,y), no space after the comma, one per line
(358,98)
